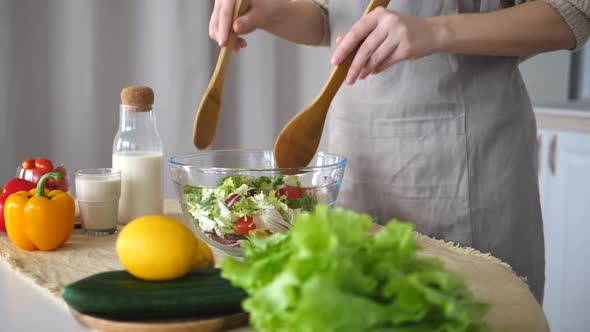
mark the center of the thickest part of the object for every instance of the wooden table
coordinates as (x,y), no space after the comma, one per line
(513,305)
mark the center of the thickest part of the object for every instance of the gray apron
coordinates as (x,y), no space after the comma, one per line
(447,142)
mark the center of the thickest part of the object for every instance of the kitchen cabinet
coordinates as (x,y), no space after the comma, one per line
(564,184)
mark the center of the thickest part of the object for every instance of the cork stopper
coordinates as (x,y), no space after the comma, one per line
(137,98)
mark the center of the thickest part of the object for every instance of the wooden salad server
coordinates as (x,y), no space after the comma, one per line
(298,142)
(208,112)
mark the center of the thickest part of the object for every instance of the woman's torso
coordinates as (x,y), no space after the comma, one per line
(446,142)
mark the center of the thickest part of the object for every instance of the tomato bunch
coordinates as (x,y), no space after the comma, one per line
(33,169)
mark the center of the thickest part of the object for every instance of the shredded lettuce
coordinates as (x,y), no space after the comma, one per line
(328,273)
(261,182)
(236,197)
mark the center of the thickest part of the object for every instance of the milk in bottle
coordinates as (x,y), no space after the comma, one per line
(138,153)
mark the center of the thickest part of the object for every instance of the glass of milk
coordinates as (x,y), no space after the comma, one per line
(98,191)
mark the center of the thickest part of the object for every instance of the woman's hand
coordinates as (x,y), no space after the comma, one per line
(385,38)
(258,14)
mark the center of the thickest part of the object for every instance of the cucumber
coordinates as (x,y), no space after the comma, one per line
(120,296)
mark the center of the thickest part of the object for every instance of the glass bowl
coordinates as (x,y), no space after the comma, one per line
(228,195)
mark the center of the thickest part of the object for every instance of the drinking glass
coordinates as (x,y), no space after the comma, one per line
(98,191)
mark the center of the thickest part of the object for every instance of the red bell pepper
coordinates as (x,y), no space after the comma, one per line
(13,186)
(17,184)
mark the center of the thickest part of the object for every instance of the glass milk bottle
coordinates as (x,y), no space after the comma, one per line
(138,153)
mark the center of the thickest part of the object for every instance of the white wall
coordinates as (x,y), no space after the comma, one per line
(8,137)
(63,64)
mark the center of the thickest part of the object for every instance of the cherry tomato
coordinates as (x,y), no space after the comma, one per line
(51,184)
(63,184)
(245,225)
(62,170)
(290,192)
(44,164)
(28,164)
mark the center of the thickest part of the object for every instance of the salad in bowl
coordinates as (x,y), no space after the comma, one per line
(231,195)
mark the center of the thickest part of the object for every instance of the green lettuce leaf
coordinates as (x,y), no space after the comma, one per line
(306,203)
(329,273)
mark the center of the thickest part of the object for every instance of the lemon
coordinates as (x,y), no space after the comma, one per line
(161,248)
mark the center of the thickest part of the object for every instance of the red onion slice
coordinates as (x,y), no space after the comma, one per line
(232,199)
(227,242)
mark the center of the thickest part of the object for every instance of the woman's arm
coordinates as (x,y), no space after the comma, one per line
(531,28)
(297,21)
(387,37)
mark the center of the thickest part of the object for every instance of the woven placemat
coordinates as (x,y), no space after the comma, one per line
(513,306)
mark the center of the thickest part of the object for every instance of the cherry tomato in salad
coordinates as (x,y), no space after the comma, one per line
(290,192)
(28,164)
(245,225)
(44,164)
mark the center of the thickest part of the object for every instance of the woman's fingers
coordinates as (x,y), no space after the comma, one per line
(214,22)
(364,54)
(388,39)
(364,73)
(247,23)
(226,13)
(400,53)
(385,64)
(381,54)
(222,23)
(240,43)
(359,32)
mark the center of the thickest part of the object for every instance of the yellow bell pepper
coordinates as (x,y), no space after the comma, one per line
(39,219)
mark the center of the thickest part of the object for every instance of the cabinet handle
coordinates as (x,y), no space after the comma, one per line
(539,141)
(552,155)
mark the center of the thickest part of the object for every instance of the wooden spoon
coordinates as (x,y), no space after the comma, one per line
(208,112)
(298,142)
